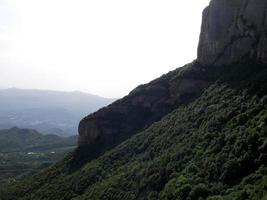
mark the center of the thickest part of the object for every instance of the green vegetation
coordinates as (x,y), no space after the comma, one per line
(16,139)
(214,147)
(24,152)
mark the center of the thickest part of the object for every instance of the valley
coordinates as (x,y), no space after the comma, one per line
(24,152)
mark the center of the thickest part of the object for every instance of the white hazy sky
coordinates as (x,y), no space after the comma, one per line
(105,47)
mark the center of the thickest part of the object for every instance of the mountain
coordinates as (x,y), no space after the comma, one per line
(198,132)
(233,31)
(50,112)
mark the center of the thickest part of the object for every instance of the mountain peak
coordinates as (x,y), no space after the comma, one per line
(233,31)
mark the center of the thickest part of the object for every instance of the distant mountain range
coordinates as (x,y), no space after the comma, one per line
(49,112)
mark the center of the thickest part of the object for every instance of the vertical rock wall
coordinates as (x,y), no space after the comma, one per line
(233,31)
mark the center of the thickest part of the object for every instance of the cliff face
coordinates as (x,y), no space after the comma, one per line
(213,146)
(143,106)
(233,31)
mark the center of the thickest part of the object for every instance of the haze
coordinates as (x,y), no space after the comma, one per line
(103,47)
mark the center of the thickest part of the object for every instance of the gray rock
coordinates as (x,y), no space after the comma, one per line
(233,31)
(143,106)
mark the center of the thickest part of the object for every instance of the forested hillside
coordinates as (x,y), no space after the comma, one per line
(213,147)
(198,132)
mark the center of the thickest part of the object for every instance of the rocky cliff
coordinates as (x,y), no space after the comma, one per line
(213,146)
(143,106)
(233,31)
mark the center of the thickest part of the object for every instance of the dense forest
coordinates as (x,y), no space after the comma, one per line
(198,132)
(213,147)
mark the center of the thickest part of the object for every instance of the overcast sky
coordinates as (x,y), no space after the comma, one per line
(105,47)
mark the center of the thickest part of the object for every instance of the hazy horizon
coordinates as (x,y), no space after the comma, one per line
(105,48)
(54,90)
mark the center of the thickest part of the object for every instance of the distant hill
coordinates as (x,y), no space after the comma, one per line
(16,139)
(26,151)
(49,112)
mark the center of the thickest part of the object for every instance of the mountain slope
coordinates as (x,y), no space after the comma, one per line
(213,146)
(232,32)
(50,112)
(146,104)
(198,132)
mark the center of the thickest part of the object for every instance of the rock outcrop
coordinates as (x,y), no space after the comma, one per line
(143,106)
(233,31)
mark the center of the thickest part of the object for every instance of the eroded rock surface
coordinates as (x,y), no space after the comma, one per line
(143,106)
(233,31)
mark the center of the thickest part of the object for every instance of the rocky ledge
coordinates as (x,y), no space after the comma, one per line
(143,106)
(232,31)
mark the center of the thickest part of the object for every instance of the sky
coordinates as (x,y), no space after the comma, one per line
(104,47)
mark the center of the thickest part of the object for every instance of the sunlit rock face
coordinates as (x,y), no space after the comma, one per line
(233,31)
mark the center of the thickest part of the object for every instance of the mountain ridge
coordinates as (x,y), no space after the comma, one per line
(212,148)
(54,91)
(47,111)
(194,141)
(215,32)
